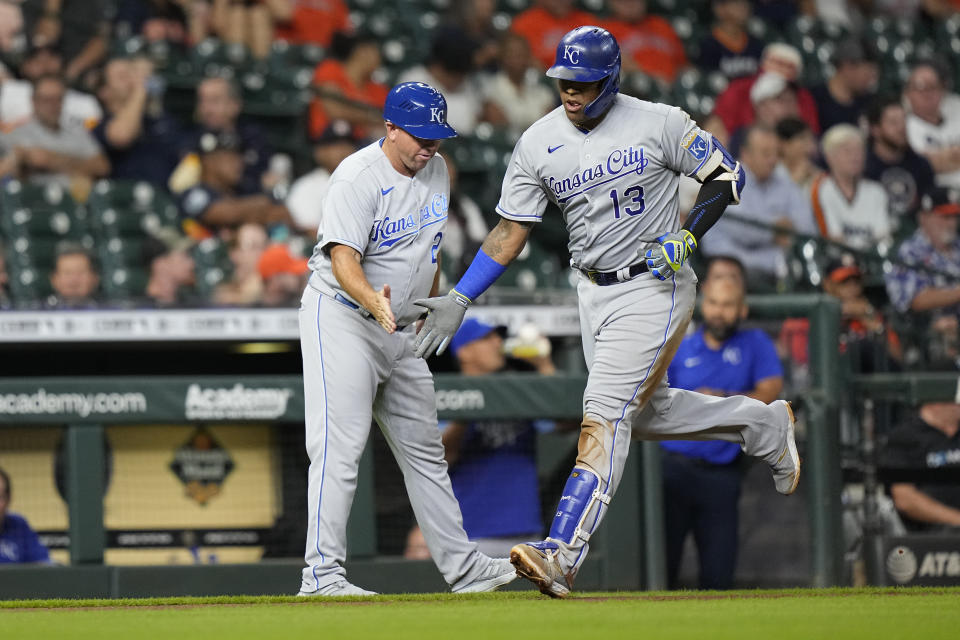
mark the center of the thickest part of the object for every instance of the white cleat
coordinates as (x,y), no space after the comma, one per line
(537,562)
(786,471)
(338,590)
(497,574)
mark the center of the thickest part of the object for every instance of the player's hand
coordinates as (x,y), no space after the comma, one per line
(672,253)
(381,310)
(445,313)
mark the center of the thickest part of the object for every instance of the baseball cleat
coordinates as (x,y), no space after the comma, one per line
(499,573)
(338,590)
(537,562)
(786,471)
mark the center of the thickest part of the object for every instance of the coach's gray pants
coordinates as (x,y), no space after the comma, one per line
(353,372)
(631,331)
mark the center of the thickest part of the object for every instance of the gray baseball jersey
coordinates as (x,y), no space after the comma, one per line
(355,372)
(395,222)
(616,185)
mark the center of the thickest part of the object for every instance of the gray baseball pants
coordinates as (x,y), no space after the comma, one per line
(631,331)
(354,372)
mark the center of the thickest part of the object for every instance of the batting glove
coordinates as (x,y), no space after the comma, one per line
(445,313)
(673,251)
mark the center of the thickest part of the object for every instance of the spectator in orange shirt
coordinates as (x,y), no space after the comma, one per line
(544,24)
(348,75)
(313,22)
(647,42)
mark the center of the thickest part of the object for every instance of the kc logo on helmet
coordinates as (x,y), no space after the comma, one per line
(571,53)
(436,115)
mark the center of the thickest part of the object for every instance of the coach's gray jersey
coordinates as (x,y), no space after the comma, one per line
(395,222)
(606,182)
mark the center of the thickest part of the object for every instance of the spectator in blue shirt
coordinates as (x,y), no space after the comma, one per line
(140,139)
(18,542)
(215,203)
(904,173)
(729,47)
(701,480)
(219,103)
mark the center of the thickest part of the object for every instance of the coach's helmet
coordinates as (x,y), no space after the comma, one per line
(588,54)
(418,109)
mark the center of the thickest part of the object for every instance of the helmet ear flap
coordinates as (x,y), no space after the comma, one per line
(608,91)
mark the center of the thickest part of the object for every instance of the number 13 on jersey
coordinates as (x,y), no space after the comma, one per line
(635,195)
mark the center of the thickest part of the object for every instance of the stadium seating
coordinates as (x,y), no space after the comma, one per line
(34,220)
(121,208)
(122,214)
(212,265)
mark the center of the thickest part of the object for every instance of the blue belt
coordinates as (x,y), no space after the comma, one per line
(366,314)
(342,300)
(613,277)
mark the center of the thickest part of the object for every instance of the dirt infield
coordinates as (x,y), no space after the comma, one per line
(187,603)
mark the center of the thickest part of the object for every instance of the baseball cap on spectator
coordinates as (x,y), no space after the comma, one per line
(789,128)
(470,331)
(940,201)
(850,51)
(770,84)
(36,49)
(843,268)
(276,259)
(209,141)
(336,131)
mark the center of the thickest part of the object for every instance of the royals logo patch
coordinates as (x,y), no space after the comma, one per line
(695,145)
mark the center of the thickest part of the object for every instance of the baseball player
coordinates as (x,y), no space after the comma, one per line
(383,220)
(611,163)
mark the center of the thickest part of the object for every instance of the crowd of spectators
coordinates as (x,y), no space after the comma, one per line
(829,155)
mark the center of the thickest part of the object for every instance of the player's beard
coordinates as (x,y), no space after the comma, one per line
(720,331)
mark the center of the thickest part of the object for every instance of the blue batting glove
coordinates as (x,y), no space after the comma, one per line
(673,251)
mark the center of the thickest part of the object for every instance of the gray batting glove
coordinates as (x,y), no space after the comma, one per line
(445,313)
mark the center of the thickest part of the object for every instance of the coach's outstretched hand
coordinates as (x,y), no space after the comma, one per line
(445,313)
(381,310)
(673,251)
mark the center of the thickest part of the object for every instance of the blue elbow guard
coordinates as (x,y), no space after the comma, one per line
(730,170)
(481,273)
(579,495)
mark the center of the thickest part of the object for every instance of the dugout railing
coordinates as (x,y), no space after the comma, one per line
(628,549)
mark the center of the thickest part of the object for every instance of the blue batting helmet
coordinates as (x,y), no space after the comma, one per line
(588,54)
(418,109)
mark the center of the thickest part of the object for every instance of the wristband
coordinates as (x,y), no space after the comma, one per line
(481,273)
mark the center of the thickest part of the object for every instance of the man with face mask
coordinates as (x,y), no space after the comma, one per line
(701,479)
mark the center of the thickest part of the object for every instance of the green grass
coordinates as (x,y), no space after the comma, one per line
(776,615)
